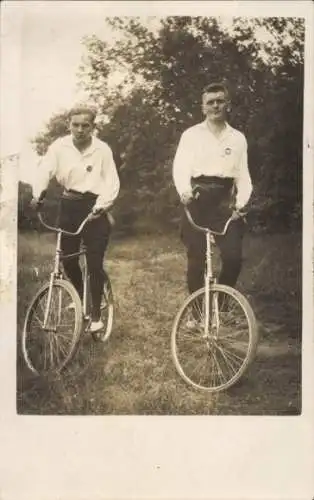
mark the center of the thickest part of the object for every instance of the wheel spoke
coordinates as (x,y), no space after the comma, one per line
(229,356)
(220,372)
(215,362)
(42,307)
(63,351)
(55,341)
(45,356)
(204,369)
(49,349)
(41,323)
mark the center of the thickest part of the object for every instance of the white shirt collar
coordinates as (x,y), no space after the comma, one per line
(68,141)
(224,133)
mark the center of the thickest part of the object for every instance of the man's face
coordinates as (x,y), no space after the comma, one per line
(214,105)
(81,127)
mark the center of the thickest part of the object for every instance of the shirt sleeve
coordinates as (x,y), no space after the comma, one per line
(182,165)
(243,180)
(46,169)
(110,184)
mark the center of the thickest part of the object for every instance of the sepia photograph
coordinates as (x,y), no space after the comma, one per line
(176,162)
(158,231)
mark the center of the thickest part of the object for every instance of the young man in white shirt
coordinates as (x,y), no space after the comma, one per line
(213,156)
(85,167)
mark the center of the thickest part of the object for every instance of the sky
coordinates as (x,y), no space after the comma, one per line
(46,42)
(47,45)
(42,53)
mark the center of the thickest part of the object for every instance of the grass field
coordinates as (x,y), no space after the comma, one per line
(134,372)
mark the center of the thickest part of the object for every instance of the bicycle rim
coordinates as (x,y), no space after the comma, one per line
(48,350)
(217,360)
(107,310)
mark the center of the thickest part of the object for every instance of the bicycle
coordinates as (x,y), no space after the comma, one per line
(214,336)
(56,315)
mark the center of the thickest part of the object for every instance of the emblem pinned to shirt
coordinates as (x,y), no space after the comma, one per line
(228,151)
(89,168)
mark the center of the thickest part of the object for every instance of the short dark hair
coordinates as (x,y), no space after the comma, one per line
(83,110)
(217,87)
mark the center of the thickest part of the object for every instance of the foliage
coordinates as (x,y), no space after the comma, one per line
(58,126)
(147,83)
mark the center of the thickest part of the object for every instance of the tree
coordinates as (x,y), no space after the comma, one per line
(162,67)
(57,126)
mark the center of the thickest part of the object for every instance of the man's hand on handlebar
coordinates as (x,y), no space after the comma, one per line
(96,213)
(36,204)
(237,214)
(188,196)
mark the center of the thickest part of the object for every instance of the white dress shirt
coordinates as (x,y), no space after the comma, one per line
(94,170)
(200,152)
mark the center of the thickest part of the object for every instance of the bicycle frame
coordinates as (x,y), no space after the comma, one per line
(209,278)
(56,273)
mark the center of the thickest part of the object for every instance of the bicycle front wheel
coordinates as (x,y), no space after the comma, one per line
(214,358)
(106,312)
(47,348)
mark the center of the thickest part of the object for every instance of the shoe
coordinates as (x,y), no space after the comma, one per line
(192,324)
(96,326)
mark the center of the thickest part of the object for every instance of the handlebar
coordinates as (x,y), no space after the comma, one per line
(58,229)
(195,191)
(205,229)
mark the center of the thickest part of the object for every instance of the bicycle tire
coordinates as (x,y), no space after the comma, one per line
(107,312)
(196,340)
(31,348)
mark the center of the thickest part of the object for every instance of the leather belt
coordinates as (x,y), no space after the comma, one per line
(71,194)
(211,182)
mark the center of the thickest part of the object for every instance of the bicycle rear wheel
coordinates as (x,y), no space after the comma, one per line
(217,360)
(48,350)
(107,311)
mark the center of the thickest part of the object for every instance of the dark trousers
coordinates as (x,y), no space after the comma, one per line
(95,236)
(230,247)
(212,209)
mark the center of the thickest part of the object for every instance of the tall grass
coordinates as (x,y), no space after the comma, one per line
(134,373)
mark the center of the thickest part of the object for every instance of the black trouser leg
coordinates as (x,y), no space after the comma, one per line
(230,246)
(69,245)
(195,276)
(195,244)
(195,268)
(72,213)
(96,237)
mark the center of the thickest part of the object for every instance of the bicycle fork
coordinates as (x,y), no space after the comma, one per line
(85,281)
(55,273)
(211,300)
